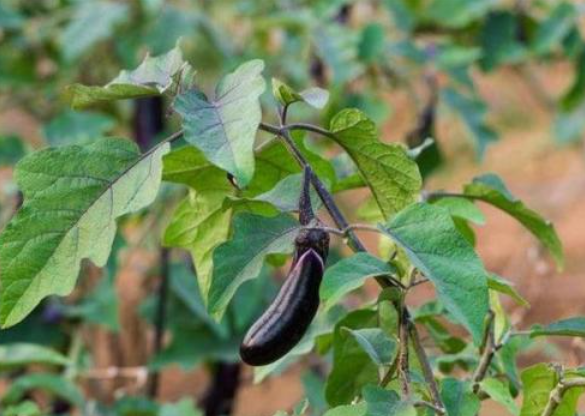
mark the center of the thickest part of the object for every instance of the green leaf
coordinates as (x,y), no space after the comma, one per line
(537,381)
(12,149)
(473,114)
(54,384)
(457,13)
(461,208)
(352,366)
(184,407)
(554,28)
(358,409)
(571,327)
(72,197)
(433,244)
(500,393)
(337,45)
(154,76)
(458,398)
(372,43)
(315,97)
(381,402)
(569,125)
(380,347)
(74,127)
(26,408)
(499,40)
(17,355)
(92,22)
(241,258)
(224,129)
(200,223)
(392,176)
(501,285)
(490,188)
(350,274)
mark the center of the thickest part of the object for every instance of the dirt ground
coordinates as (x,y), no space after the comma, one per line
(548,178)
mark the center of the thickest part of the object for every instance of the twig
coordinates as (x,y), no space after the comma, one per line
(422,403)
(426,368)
(403,354)
(487,349)
(556,396)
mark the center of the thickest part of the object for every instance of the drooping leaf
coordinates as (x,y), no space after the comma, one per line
(500,393)
(75,127)
(54,384)
(154,76)
(352,366)
(224,128)
(200,223)
(72,197)
(391,175)
(241,258)
(17,355)
(571,327)
(433,244)
(92,21)
(490,188)
(349,274)
(501,285)
(315,97)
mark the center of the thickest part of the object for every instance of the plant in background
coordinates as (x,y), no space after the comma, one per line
(238,219)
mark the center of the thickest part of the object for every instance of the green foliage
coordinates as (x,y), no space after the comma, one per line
(13,356)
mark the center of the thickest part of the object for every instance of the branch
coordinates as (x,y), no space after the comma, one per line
(422,403)
(488,349)
(426,368)
(556,396)
(403,354)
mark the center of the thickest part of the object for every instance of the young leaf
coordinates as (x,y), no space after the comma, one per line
(200,223)
(17,355)
(349,274)
(154,76)
(571,327)
(501,285)
(538,381)
(241,258)
(392,176)
(490,188)
(72,197)
(224,129)
(437,249)
(315,97)
(500,393)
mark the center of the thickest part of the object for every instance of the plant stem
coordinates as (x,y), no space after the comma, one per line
(403,357)
(161,316)
(357,246)
(556,396)
(487,349)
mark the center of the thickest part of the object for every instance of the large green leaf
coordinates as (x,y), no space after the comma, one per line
(376,343)
(241,258)
(490,188)
(571,327)
(433,244)
(154,76)
(349,274)
(224,128)
(92,22)
(18,355)
(392,176)
(200,223)
(72,197)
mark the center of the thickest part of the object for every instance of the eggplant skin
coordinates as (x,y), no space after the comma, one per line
(286,320)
